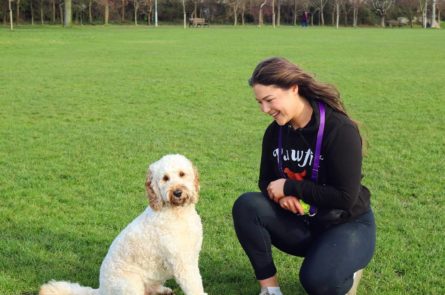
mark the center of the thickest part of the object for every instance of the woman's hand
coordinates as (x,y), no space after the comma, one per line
(275,189)
(292,204)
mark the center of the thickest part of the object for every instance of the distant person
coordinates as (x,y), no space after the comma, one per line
(304,19)
(311,154)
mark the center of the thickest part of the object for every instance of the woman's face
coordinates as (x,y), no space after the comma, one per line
(282,104)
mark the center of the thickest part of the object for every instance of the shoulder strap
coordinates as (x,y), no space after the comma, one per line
(320,132)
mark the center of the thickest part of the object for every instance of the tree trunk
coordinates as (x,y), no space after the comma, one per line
(273,13)
(68,14)
(243,11)
(279,13)
(295,12)
(123,10)
(321,12)
(90,11)
(260,16)
(17,18)
(354,16)
(149,12)
(424,17)
(62,17)
(32,12)
(433,15)
(185,14)
(42,17)
(136,8)
(382,21)
(235,13)
(11,21)
(107,12)
(53,12)
(337,19)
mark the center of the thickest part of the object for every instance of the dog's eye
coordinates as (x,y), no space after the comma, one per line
(181,174)
(165,178)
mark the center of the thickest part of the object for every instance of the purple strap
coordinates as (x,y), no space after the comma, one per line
(316,165)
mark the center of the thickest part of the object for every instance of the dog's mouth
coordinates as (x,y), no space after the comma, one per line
(178,196)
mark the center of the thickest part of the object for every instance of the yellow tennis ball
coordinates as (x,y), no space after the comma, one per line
(305,206)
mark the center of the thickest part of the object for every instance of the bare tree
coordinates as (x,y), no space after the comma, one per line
(423,8)
(337,12)
(90,11)
(11,22)
(235,5)
(137,4)
(260,16)
(355,7)
(68,15)
(434,23)
(17,11)
(42,14)
(279,13)
(322,4)
(381,8)
(123,6)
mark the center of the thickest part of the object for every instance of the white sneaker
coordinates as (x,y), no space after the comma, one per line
(357,276)
(264,291)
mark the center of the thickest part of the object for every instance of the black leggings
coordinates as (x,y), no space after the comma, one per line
(330,257)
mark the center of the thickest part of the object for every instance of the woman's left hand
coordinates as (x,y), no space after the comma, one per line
(275,189)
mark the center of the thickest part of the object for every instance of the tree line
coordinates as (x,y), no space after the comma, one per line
(426,13)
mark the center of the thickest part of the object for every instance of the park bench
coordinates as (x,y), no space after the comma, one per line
(197,21)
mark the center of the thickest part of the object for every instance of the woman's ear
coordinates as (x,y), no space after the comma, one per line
(153,199)
(294,89)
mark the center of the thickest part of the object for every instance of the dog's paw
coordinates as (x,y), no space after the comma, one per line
(165,291)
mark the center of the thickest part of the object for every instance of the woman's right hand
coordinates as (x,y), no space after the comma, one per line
(292,204)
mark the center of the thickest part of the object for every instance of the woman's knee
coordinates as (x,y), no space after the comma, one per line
(244,204)
(323,283)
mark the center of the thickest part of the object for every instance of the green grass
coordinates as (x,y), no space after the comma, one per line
(84,110)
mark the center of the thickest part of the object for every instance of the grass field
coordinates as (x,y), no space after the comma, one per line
(84,110)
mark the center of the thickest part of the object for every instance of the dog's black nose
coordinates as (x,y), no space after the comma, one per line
(177,193)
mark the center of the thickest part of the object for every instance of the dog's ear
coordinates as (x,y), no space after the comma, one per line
(197,187)
(153,199)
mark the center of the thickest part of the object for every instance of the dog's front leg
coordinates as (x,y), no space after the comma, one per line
(186,272)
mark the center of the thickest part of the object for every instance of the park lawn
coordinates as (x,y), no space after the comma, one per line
(84,110)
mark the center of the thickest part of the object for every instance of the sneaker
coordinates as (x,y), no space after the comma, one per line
(264,291)
(357,276)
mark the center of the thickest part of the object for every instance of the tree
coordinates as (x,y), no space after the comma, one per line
(137,5)
(322,4)
(260,16)
(381,8)
(423,8)
(355,7)
(68,13)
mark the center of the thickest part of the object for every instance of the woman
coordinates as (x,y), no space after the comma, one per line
(311,153)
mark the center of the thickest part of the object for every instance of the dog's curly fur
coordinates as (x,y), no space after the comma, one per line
(162,243)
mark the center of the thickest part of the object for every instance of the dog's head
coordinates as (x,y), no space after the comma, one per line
(173,180)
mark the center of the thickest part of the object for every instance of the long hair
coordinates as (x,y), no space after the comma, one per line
(280,72)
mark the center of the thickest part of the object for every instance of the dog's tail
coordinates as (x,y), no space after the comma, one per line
(66,288)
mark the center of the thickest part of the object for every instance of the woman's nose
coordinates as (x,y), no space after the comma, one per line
(265,108)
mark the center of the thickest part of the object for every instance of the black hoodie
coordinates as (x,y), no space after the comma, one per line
(339,178)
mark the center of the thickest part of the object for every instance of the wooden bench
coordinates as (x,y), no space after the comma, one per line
(197,22)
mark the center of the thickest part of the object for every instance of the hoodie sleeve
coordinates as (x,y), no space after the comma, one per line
(266,165)
(343,161)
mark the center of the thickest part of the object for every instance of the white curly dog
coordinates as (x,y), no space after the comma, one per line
(162,243)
